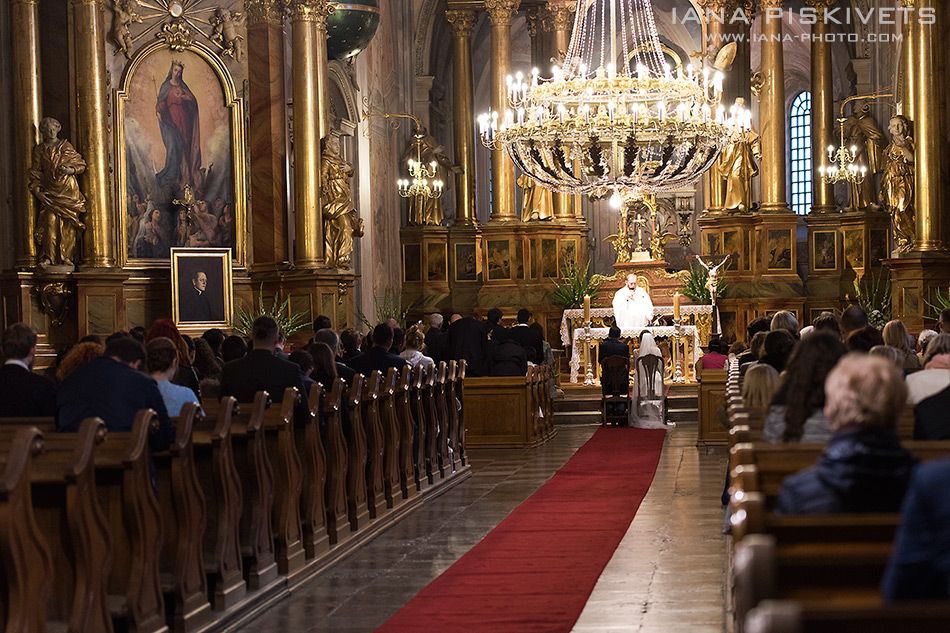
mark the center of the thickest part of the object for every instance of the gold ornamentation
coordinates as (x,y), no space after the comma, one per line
(737,166)
(343,290)
(897,184)
(123,16)
(772,4)
(861,131)
(176,35)
(340,220)
(224,33)
(310,11)
(462,21)
(532,16)
(561,14)
(264,11)
(820,4)
(501,11)
(54,299)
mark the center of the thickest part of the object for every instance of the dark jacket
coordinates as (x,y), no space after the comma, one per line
(613,347)
(468,340)
(261,370)
(528,338)
(195,306)
(115,392)
(24,394)
(920,561)
(377,359)
(859,471)
(931,420)
(437,345)
(508,358)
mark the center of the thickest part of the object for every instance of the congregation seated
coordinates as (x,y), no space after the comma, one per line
(415,343)
(863,468)
(755,353)
(756,326)
(495,330)
(378,357)
(350,342)
(827,322)
(214,338)
(796,413)
(304,361)
(896,337)
(161,361)
(325,367)
(435,339)
(233,348)
(923,340)
(186,376)
(715,358)
(777,348)
(23,393)
(322,322)
(113,387)
(206,363)
(919,566)
(262,370)
(758,389)
(528,338)
(853,318)
(77,356)
(889,354)
(931,420)
(864,339)
(468,340)
(508,358)
(785,320)
(612,346)
(332,340)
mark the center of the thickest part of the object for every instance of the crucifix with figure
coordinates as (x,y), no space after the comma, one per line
(712,282)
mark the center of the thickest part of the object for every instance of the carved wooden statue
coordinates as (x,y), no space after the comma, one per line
(123,15)
(225,33)
(897,184)
(340,220)
(737,166)
(863,133)
(536,201)
(53,181)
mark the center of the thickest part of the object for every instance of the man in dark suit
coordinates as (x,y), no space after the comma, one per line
(350,342)
(436,340)
(262,370)
(195,305)
(931,421)
(613,346)
(113,388)
(528,338)
(468,340)
(378,357)
(23,394)
(507,358)
(496,331)
(328,336)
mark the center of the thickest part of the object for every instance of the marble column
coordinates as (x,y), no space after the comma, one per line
(93,137)
(27,112)
(267,146)
(463,21)
(308,19)
(772,111)
(714,184)
(928,114)
(560,18)
(822,108)
(908,84)
(503,170)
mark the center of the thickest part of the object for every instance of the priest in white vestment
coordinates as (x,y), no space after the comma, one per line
(633,308)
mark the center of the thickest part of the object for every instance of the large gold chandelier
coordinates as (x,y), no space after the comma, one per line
(615,118)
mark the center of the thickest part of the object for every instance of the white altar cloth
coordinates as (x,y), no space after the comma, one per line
(600,333)
(578,313)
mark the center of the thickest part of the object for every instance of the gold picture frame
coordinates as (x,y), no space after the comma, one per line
(232,104)
(214,304)
(824,250)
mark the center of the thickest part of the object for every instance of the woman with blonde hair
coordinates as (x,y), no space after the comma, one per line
(415,343)
(935,376)
(896,336)
(758,388)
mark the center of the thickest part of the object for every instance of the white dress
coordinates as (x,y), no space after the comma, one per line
(633,309)
(647,400)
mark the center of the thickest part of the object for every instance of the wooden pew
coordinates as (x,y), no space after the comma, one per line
(434,467)
(452,417)
(409,484)
(502,412)
(313,461)
(460,395)
(338,523)
(224,503)
(357,458)
(281,449)
(375,486)
(787,616)
(442,416)
(27,562)
(422,466)
(391,439)
(182,565)
(712,391)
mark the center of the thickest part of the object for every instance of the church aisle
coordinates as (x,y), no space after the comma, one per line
(361,592)
(668,574)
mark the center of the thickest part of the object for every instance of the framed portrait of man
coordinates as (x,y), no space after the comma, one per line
(202,293)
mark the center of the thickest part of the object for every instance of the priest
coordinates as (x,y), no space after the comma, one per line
(633,308)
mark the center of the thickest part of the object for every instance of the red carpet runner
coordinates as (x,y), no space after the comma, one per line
(535,571)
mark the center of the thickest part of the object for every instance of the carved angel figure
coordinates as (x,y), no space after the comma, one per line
(53,181)
(897,184)
(123,15)
(340,220)
(863,133)
(224,32)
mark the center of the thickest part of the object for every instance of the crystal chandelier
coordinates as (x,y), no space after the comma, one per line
(842,167)
(615,118)
(419,184)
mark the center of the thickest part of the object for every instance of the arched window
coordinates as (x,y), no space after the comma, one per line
(800,127)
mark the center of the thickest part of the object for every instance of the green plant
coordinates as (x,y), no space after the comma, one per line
(289,322)
(941,302)
(874,296)
(576,284)
(694,283)
(389,308)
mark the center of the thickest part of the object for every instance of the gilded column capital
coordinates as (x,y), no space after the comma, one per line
(500,11)
(309,11)
(264,11)
(820,4)
(909,4)
(533,17)
(462,21)
(772,4)
(560,15)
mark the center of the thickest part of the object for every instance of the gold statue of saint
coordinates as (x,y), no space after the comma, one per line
(340,220)
(536,201)
(897,184)
(864,134)
(737,165)
(53,182)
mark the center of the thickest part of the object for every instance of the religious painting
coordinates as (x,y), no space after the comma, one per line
(465,263)
(566,255)
(201,287)
(854,248)
(879,250)
(436,264)
(519,259)
(711,244)
(779,247)
(747,250)
(412,262)
(824,254)
(549,258)
(499,260)
(758,249)
(535,253)
(180,151)
(910,302)
(730,242)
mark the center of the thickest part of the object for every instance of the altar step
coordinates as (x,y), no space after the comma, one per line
(682,403)
(581,405)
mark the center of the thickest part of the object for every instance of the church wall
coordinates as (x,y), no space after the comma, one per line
(7,212)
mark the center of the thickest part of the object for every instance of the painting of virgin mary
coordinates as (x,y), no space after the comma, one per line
(177,112)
